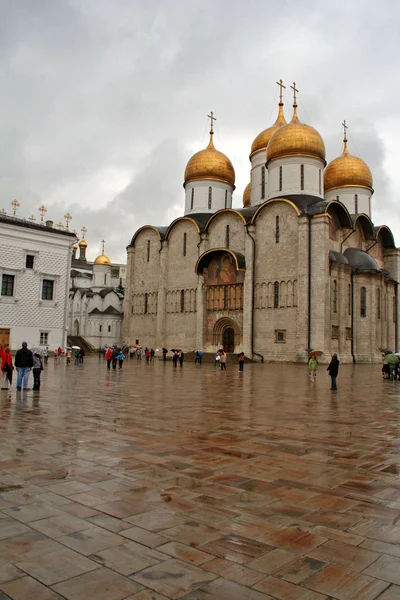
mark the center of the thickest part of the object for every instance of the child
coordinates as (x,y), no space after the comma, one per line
(312,367)
(241,361)
(37,368)
(120,358)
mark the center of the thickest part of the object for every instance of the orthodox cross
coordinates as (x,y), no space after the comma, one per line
(282,87)
(212,119)
(84,230)
(32,218)
(60,225)
(15,205)
(3,211)
(345,128)
(102,246)
(293,87)
(43,210)
(67,218)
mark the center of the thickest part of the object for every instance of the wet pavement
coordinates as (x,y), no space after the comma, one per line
(152,483)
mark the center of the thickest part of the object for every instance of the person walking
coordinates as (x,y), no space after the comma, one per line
(120,358)
(108,357)
(82,354)
(6,369)
(241,361)
(37,368)
(181,358)
(217,358)
(46,355)
(223,361)
(77,357)
(152,353)
(333,370)
(175,357)
(23,364)
(312,367)
(147,355)
(164,354)
(115,357)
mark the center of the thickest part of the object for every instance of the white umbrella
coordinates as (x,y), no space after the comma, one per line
(75,347)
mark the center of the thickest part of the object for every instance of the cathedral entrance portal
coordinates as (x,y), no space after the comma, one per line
(228,340)
(76,327)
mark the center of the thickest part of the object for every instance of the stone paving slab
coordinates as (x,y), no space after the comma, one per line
(155,484)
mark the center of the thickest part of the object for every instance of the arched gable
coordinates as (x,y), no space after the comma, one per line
(268,202)
(179,220)
(203,260)
(223,212)
(160,231)
(365,223)
(343,215)
(385,236)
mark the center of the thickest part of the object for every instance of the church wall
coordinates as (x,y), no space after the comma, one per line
(276,262)
(291,176)
(181,268)
(346,196)
(258,162)
(340,332)
(217,232)
(201,196)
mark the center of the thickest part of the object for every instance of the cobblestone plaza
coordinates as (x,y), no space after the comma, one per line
(152,483)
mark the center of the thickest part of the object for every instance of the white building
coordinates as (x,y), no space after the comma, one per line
(95,298)
(34,273)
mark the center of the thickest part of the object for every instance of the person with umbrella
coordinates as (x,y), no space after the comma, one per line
(333,370)
(393,362)
(6,368)
(313,364)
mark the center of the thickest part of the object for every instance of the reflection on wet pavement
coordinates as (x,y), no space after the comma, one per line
(154,482)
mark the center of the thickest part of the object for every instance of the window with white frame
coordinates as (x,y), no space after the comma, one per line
(7,285)
(44,338)
(47,289)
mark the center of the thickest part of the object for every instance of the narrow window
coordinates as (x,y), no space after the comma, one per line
(363,302)
(394,309)
(226,298)
(334,296)
(320,181)
(349,299)
(146,303)
(29,260)
(356,203)
(277,229)
(109,329)
(47,289)
(148,250)
(44,338)
(105,279)
(100,328)
(182,300)
(184,243)
(192,199)
(302,177)
(378,303)
(276,294)
(280,336)
(7,285)
(280,178)
(262,182)
(226,198)
(209,198)
(227,237)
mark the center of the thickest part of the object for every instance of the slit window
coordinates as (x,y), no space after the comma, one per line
(226,298)
(349,299)
(277,229)
(320,181)
(363,302)
(209,198)
(226,198)
(146,303)
(378,303)
(182,300)
(227,240)
(334,296)
(192,199)
(148,250)
(184,243)
(280,178)
(394,309)
(262,182)
(276,294)
(356,203)
(302,177)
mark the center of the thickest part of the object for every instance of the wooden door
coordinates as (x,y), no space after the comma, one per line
(228,339)
(4,337)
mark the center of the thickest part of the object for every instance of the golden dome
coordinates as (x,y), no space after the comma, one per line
(246,195)
(261,141)
(83,243)
(210,164)
(102,260)
(296,138)
(347,171)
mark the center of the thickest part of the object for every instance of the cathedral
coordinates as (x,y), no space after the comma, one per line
(301,266)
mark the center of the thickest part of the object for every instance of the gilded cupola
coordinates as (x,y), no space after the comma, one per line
(261,141)
(246,195)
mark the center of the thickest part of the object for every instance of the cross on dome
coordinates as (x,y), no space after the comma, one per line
(102,246)
(281,88)
(295,90)
(212,119)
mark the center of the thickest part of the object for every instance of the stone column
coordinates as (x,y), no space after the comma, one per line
(127,304)
(161,295)
(248,293)
(320,305)
(302,284)
(200,313)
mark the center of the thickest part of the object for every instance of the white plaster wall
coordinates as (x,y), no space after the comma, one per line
(200,203)
(257,163)
(347,197)
(101,276)
(25,313)
(291,179)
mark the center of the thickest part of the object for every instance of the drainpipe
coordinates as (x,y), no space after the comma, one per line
(346,238)
(352,317)
(309,285)
(252,300)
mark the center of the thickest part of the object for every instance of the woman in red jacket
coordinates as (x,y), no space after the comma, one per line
(6,369)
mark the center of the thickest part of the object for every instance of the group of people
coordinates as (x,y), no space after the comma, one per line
(333,369)
(25,362)
(114,356)
(391,365)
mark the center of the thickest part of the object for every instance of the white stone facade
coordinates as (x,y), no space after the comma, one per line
(34,276)
(207,196)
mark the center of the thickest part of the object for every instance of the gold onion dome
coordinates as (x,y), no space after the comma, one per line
(261,141)
(246,195)
(75,246)
(347,171)
(83,243)
(102,260)
(210,164)
(294,139)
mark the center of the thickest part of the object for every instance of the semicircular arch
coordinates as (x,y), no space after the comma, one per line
(205,258)
(142,229)
(222,212)
(178,220)
(268,202)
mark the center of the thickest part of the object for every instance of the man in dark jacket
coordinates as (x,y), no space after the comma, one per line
(23,363)
(333,370)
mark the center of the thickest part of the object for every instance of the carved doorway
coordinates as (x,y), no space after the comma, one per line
(228,339)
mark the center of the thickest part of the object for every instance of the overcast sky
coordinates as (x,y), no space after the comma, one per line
(103,102)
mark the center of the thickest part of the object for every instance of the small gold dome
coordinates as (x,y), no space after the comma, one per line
(246,195)
(75,246)
(83,244)
(296,138)
(261,141)
(347,171)
(210,164)
(102,260)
